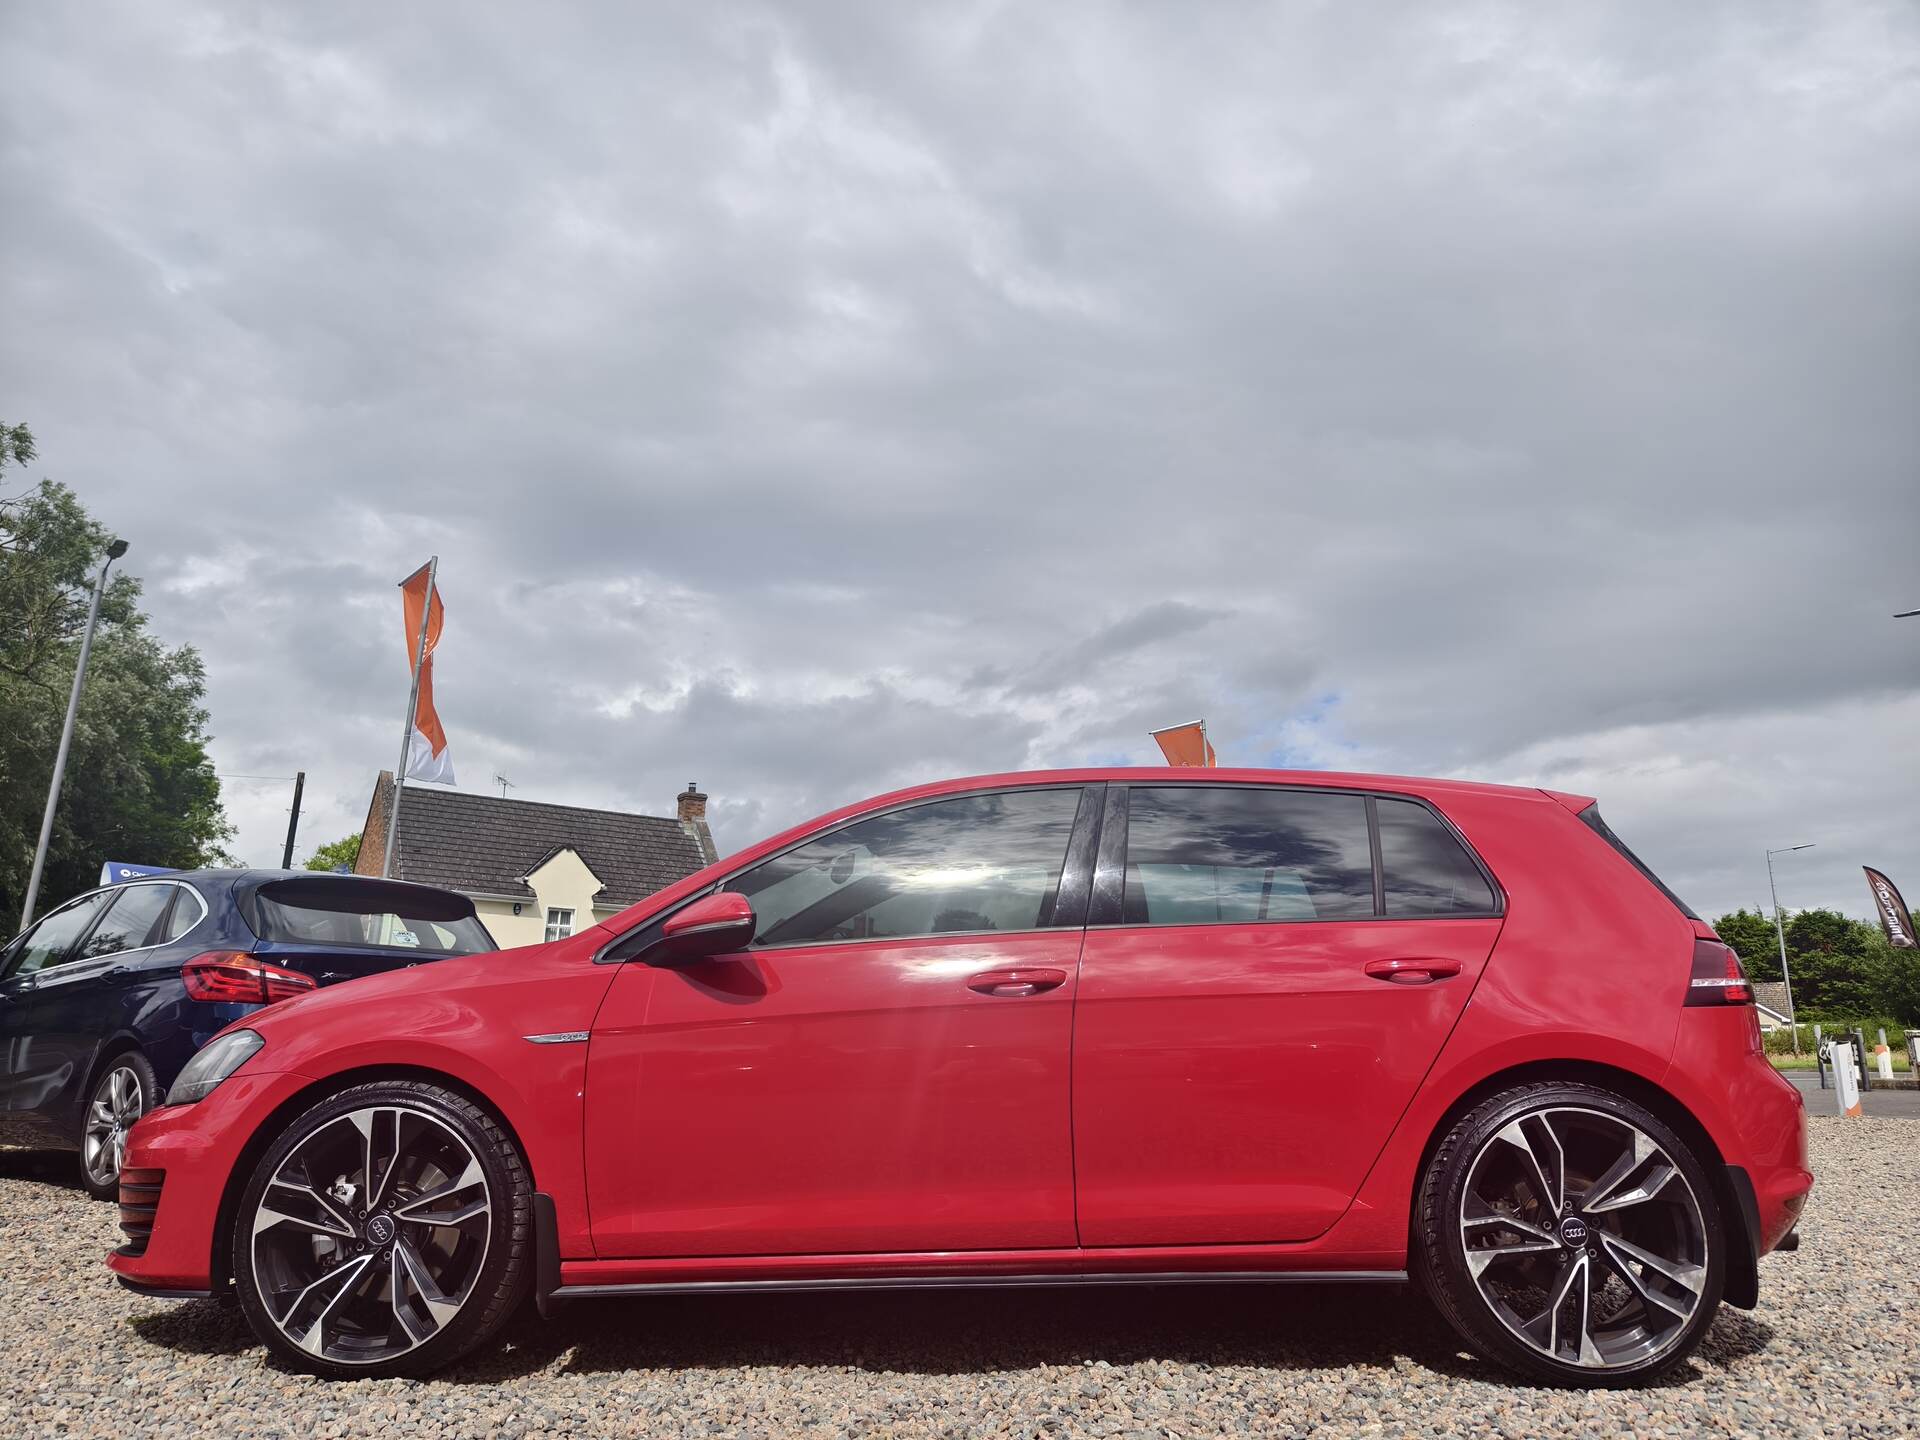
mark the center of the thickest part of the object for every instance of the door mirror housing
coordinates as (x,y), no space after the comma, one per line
(717,924)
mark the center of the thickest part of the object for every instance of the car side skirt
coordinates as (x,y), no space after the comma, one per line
(989,1281)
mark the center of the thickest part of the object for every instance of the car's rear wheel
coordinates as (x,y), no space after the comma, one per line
(1568,1233)
(387,1231)
(126,1089)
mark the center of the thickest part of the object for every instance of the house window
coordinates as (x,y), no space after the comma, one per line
(559,924)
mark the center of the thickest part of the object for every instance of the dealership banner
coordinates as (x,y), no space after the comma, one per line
(427,755)
(1895,918)
(1186,745)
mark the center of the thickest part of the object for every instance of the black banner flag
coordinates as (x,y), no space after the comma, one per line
(1895,918)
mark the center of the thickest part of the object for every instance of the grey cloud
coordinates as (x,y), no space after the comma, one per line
(809,401)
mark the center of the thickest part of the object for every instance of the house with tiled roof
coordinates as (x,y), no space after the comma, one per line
(534,871)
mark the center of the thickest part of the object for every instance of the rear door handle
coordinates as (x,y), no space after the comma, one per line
(1011,983)
(1413,971)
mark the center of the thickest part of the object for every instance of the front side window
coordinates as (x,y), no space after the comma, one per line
(53,937)
(1213,855)
(1427,871)
(129,923)
(972,863)
(559,923)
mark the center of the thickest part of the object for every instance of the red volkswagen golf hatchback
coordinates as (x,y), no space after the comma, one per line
(1115,1026)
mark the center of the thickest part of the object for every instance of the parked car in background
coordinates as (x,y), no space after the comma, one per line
(104,1000)
(1102,1026)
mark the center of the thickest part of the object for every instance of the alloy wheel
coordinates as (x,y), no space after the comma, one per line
(1584,1238)
(117,1103)
(370,1235)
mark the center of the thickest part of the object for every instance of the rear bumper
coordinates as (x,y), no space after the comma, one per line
(1755,1118)
(195,1148)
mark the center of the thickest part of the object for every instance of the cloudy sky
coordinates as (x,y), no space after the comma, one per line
(811,399)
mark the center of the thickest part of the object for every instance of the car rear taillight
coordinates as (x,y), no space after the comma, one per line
(236,977)
(1717,978)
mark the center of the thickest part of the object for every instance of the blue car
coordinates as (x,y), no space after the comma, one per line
(104,1000)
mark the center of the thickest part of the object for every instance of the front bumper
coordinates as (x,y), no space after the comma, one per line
(194,1149)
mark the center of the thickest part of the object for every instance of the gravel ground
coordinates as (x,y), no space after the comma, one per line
(83,1357)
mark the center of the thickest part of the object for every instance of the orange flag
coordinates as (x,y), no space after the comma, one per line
(427,755)
(1186,744)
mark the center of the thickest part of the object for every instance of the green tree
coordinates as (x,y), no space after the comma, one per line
(1752,937)
(344,851)
(139,785)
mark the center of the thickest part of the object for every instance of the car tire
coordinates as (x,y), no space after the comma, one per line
(124,1090)
(311,1210)
(1570,1235)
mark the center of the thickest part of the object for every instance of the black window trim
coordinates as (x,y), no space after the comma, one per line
(1109,879)
(1069,891)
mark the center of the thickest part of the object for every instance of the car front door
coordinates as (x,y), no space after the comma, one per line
(1259,1000)
(885,1069)
(47,946)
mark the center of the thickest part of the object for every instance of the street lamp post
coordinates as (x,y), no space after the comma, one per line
(1780,930)
(115,549)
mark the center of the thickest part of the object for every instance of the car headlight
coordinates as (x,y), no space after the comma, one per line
(214,1064)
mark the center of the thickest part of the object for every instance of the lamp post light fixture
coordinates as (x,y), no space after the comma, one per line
(115,549)
(1780,930)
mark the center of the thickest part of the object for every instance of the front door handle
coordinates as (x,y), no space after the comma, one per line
(1418,970)
(1023,981)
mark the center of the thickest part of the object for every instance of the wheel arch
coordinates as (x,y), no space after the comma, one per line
(104,1054)
(220,1264)
(1743,1273)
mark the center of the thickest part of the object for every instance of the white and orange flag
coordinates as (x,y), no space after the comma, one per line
(427,755)
(1186,744)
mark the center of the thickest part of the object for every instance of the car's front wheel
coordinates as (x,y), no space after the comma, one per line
(386,1231)
(126,1089)
(1569,1234)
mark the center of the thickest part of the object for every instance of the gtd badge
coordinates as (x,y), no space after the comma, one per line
(1573,1232)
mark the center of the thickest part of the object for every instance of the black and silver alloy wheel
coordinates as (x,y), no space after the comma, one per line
(1580,1227)
(370,1234)
(123,1093)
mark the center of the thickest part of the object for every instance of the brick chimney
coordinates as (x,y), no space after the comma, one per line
(693,819)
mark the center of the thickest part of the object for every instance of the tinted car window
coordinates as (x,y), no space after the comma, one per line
(50,939)
(366,913)
(1222,855)
(187,913)
(128,924)
(976,862)
(1427,870)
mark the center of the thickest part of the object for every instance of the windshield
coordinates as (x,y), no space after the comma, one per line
(366,913)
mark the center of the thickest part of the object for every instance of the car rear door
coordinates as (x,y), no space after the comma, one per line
(78,1002)
(33,1070)
(886,1069)
(1258,1004)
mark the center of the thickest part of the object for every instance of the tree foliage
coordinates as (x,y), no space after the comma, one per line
(139,785)
(1842,967)
(344,851)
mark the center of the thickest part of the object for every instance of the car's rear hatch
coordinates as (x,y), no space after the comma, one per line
(340,927)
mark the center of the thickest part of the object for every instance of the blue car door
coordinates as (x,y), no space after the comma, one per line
(76,1003)
(47,945)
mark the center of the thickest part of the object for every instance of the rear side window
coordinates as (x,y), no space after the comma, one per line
(129,924)
(973,863)
(1425,868)
(1209,855)
(1591,817)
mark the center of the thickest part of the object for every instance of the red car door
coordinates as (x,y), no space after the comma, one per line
(886,1069)
(1258,1002)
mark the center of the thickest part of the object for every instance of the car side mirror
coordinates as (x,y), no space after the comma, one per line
(719,924)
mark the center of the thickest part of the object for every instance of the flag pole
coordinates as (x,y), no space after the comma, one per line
(413,705)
